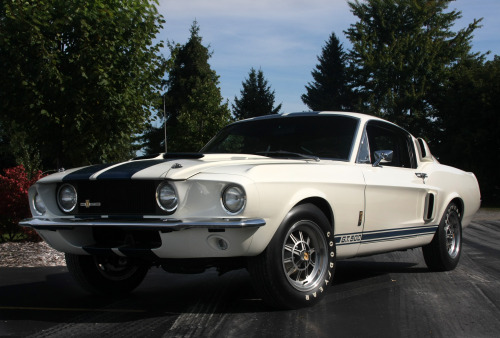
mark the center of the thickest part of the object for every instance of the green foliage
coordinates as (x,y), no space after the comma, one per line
(402,52)
(193,102)
(256,99)
(79,78)
(470,120)
(330,90)
(7,158)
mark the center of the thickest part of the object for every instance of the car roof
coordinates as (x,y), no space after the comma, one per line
(362,117)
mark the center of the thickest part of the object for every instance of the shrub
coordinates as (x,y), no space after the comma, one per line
(14,205)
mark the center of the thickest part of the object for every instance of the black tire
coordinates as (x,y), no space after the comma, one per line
(297,267)
(443,253)
(106,275)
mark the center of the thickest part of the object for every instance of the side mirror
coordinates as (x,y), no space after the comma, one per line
(382,156)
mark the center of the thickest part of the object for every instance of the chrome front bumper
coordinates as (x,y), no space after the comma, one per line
(165,225)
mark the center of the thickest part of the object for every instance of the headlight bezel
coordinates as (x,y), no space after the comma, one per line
(232,190)
(75,198)
(38,205)
(167,208)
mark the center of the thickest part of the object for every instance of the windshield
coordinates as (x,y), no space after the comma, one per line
(320,136)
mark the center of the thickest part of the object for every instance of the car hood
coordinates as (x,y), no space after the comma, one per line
(174,168)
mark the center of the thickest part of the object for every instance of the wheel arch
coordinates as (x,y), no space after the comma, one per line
(322,205)
(265,234)
(458,201)
(460,205)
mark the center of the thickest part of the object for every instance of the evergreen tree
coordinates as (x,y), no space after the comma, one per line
(193,102)
(402,51)
(256,97)
(330,90)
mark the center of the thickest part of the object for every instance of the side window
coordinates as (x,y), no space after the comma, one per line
(383,136)
(364,150)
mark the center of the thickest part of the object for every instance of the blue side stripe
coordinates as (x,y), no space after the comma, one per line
(376,236)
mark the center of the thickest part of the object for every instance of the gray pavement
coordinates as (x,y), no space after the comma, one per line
(388,295)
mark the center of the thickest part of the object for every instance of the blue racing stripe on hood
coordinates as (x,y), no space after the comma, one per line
(85,173)
(128,169)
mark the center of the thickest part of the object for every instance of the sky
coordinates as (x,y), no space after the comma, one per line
(285,37)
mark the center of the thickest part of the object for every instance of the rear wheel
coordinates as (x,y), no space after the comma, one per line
(443,253)
(106,275)
(297,267)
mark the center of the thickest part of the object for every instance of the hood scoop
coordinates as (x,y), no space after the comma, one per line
(186,156)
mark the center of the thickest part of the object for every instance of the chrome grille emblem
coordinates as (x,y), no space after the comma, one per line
(87,204)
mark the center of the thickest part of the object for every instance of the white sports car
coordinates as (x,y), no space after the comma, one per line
(285,196)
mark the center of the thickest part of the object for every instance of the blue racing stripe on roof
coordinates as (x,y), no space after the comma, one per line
(128,169)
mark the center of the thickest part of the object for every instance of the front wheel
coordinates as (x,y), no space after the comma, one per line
(443,253)
(106,275)
(297,267)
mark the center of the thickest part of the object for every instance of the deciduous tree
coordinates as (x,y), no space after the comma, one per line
(79,78)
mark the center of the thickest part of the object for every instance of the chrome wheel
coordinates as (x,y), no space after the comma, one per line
(443,252)
(452,230)
(305,256)
(297,267)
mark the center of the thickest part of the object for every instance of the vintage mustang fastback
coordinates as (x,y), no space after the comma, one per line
(285,196)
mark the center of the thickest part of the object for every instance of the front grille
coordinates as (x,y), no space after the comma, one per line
(123,197)
(124,238)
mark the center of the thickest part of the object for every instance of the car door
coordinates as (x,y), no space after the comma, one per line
(395,193)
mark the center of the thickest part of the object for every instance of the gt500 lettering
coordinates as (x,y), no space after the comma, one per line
(350,238)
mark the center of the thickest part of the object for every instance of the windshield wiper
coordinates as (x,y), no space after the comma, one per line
(287,154)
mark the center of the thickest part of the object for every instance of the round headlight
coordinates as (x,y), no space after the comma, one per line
(38,204)
(66,197)
(233,199)
(166,197)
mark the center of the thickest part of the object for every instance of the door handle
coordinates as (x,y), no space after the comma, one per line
(423,176)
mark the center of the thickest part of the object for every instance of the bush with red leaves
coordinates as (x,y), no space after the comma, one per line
(14,205)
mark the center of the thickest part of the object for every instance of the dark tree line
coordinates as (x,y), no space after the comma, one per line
(407,65)
(80,81)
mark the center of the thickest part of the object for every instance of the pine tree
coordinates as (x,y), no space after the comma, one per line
(256,98)
(193,103)
(330,90)
(402,51)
